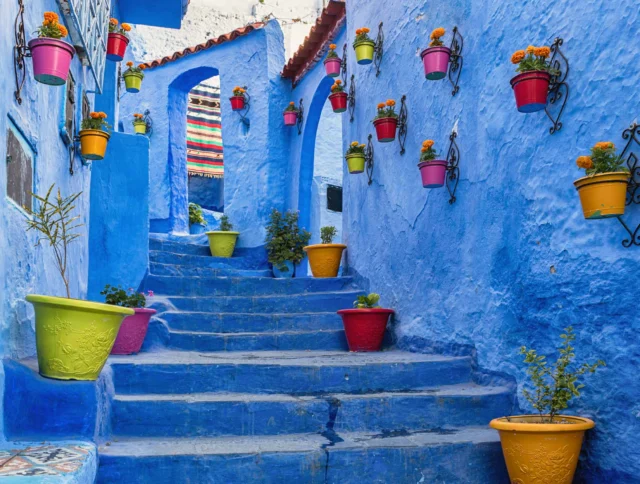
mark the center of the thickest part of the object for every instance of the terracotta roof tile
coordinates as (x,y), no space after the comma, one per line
(314,46)
(206,45)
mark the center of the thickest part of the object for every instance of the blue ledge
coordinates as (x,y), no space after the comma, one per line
(155,13)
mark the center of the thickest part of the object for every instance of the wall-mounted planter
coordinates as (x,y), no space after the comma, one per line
(365,328)
(324,259)
(133,81)
(51,60)
(290,118)
(93,143)
(433,173)
(237,103)
(333,66)
(436,62)
(355,163)
(339,101)
(116,46)
(74,337)
(222,243)
(531,90)
(386,129)
(132,332)
(364,52)
(603,195)
(140,127)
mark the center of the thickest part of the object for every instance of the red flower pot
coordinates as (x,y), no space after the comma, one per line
(386,129)
(339,102)
(332,66)
(365,327)
(116,47)
(132,332)
(290,118)
(531,90)
(237,103)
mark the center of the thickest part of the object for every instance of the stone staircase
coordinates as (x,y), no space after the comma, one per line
(255,384)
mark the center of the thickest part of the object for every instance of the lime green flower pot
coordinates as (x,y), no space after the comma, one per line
(133,82)
(222,244)
(140,128)
(364,52)
(74,337)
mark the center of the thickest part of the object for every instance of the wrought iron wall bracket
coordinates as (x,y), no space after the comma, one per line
(456,60)
(247,107)
(632,135)
(343,65)
(351,96)
(453,170)
(77,149)
(368,159)
(378,50)
(20,52)
(300,117)
(149,123)
(402,124)
(558,87)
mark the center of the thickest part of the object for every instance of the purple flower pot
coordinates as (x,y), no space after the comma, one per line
(433,173)
(332,66)
(51,60)
(436,62)
(132,332)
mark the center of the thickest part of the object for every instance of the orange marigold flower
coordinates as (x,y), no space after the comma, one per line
(130,63)
(103,115)
(142,67)
(381,105)
(113,21)
(292,103)
(424,150)
(358,31)
(437,33)
(63,30)
(584,162)
(94,115)
(390,102)
(126,27)
(365,30)
(338,82)
(543,52)
(428,143)
(518,56)
(332,46)
(531,49)
(604,145)
(50,17)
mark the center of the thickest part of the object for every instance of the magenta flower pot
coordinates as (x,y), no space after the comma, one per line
(290,118)
(433,173)
(51,60)
(132,332)
(332,66)
(436,62)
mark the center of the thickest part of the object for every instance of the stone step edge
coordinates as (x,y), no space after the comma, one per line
(354,292)
(250,333)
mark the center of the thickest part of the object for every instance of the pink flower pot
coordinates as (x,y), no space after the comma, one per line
(338,102)
(51,60)
(332,66)
(237,103)
(531,90)
(433,173)
(386,129)
(290,118)
(436,62)
(132,332)
(116,47)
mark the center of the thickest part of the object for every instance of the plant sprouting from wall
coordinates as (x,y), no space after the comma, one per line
(554,386)
(225,225)
(367,302)
(427,153)
(195,215)
(56,224)
(603,159)
(285,239)
(327,234)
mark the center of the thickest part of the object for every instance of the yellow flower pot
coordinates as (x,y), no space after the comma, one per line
(140,127)
(364,52)
(541,452)
(355,163)
(93,143)
(324,259)
(222,244)
(133,81)
(74,337)
(603,195)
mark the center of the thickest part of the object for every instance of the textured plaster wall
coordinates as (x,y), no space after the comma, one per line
(512,262)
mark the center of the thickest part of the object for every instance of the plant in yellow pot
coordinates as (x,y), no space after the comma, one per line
(223,242)
(139,124)
(325,258)
(94,135)
(546,447)
(73,337)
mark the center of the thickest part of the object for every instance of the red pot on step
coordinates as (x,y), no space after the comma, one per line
(365,327)
(116,46)
(531,90)
(339,102)
(132,332)
(386,129)
(237,103)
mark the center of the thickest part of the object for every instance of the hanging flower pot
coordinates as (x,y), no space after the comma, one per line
(365,326)
(432,171)
(364,46)
(333,63)
(222,242)
(133,77)
(94,136)
(435,58)
(603,191)
(355,157)
(238,99)
(386,121)
(325,258)
(291,114)
(531,86)
(139,124)
(117,41)
(51,56)
(338,97)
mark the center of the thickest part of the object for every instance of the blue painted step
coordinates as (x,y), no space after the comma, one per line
(212,415)
(182,270)
(292,372)
(469,455)
(204,261)
(200,246)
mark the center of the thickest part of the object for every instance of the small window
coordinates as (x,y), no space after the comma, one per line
(334,198)
(86,106)
(68,131)
(19,169)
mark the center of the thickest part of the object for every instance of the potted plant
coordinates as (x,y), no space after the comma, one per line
(291,114)
(386,121)
(324,258)
(134,328)
(603,191)
(51,55)
(432,171)
(197,223)
(333,63)
(139,124)
(133,77)
(355,158)
(238,99)
(285,242)
(436,57)
(531,86)
(364,46)
(545,447)
(338,97)
(118,40)
(73,337)
(365,325)
(223,242)
(94,135)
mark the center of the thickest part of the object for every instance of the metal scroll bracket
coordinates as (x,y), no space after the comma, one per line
(368,159)
(300,117)
(456,60)
(402,124)
(378,50)
(351,96)
(247,107)
(149,123)
(632,135)
(558,87)
(453,171)
(20,52)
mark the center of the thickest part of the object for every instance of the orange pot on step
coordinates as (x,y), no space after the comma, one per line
(324,259)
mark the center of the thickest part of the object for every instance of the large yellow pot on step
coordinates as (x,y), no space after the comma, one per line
(93,143)
(603,195)
(222,244)
(324,259)
(541,452)
(74,337)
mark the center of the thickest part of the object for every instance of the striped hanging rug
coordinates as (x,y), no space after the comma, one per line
(204,132)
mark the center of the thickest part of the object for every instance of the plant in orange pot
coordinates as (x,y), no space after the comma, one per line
(603,191)
(545,447)
(325,258)
(94,135)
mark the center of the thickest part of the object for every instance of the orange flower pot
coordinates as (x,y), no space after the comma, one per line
(93,143)
(324,259)
(603,195)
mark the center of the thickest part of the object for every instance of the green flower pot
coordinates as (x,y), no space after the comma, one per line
(140,128)
(133,81)
(74,337)
(364,52)
(355,163)
(222,244)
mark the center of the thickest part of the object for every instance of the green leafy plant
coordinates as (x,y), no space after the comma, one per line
(554,386)
(195,215)
(55,222)
(603,159)
(386,109)
(356,148)
(96,120)
(427,153)
(533,59)
(225,225)
(285,239)
(291,108)
(332,54)
(362,35)
(367,302)
(128,299)
(327,234)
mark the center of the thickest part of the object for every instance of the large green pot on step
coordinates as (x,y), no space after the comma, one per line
(221,243)
(74,337)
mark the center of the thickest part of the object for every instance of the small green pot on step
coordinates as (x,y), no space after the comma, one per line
(222,244)
(74,337)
